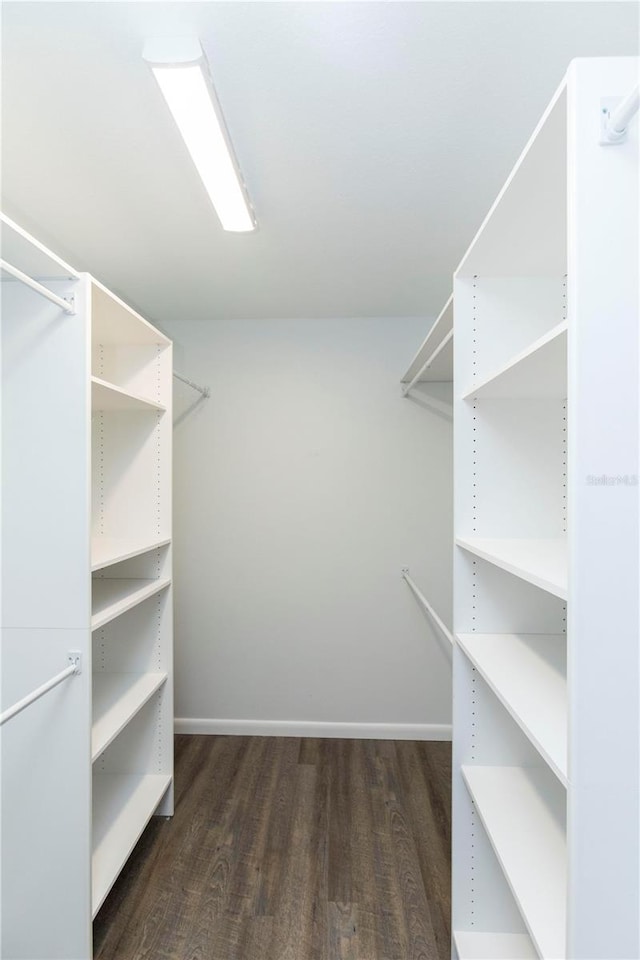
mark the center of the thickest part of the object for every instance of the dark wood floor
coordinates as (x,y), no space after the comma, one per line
(286,849)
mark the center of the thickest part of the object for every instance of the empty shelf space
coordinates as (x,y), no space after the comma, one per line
(527,672)
(540,371)
(435,349)
(106,551)
(110,598)
(542,563)
(107,396)
(117,697)
(493,946)
(525,231)
(530,845)
(114,322)
(123,804)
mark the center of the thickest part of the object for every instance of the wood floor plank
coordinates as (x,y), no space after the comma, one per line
(418,927)
(319,853)
(427,790)
(338,756)
(293,932)
(278,828)
(289,849)
(363,784)
(212,929)
(343,932)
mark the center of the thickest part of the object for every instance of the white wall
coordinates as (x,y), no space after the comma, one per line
(302,487)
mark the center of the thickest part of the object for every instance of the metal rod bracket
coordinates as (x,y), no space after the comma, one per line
(75,660)
(616,114)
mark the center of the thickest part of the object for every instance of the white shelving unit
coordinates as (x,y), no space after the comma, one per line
(538,371)
(106,396)
(494,946)
(111,598)
(540,562)
(546,814)
(86,546)
(527,673)
(105,551)
(530,846)
(117,697)
(123,805)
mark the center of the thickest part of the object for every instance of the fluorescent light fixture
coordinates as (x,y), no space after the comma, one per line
(181,70)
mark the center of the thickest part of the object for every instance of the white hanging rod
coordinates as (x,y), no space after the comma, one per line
(427,364)
(615,129)
(205,391)
(427,606)
(73,668)
(38,287)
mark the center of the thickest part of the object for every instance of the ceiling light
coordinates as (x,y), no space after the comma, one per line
(182,73)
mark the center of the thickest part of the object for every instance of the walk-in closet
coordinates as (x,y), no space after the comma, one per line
(320,436)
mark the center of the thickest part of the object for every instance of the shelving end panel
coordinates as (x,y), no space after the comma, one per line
(46,457)
(46,798)
(604,517)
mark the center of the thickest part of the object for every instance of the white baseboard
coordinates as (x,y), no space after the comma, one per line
(313,728)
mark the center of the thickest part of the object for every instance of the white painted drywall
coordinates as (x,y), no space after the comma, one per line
(302,487)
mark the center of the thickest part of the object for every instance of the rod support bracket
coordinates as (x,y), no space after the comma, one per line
(404,571)
(616,113)
(75,660)
(71,300)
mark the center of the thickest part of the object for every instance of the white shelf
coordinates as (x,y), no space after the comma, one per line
(442,367)
(543,563)
(106,396)
(531,847)
(117,697)
(106,551)
(123,804)
(540,371)
(493,946)
(527,672)
(110,598)
(525,231)
(114,322)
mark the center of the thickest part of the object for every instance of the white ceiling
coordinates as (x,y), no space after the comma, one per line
(373,137)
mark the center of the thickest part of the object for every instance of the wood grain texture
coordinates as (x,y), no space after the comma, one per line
(287,849)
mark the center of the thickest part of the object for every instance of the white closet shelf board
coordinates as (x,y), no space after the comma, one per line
(524,233)
(106,396)
(543,563)
(494,946)
(442,367)
(27,254)
(530,846)
(123,804)
(117,697)
(106,551)
(110,598)
(112,321)
(538,372)
(528,675)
